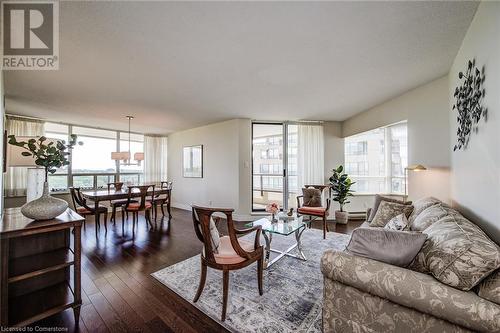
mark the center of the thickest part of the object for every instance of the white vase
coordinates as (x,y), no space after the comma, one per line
(341,217)
(45,207)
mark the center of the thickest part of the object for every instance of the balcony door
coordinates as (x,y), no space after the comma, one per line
(274,164)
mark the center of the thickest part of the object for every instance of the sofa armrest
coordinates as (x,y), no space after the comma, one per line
(412,289)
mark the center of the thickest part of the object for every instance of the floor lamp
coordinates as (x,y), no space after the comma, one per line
(415,167)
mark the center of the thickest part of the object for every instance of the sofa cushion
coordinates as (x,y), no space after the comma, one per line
(312,197)
(393,247)
(399,222)
(387,210)
(427,217)
(420,205)
(413,290)
(378,199)
(489,288)
(457,253)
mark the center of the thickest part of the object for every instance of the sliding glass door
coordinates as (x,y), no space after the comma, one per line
(274,164)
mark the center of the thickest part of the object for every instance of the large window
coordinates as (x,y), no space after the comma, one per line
(91,165)
(376,160)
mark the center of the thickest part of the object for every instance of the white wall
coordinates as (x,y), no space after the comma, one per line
(426,110)
(475,180)
(225,153)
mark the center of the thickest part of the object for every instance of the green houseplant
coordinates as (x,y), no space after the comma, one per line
(341,186)
(49,154)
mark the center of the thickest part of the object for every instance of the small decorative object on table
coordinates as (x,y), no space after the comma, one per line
(50,155)
(290,212)
(341,186)
(273,208)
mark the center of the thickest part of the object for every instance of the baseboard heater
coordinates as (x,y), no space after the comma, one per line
(357,216)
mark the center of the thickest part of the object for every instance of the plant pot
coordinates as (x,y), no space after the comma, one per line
(341,217)
(45,207)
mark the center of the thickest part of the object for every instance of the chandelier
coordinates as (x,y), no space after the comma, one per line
(124,156)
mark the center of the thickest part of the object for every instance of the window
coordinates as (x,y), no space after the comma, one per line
(91,164)
(376,160)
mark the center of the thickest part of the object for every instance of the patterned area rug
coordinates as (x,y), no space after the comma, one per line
(293,289)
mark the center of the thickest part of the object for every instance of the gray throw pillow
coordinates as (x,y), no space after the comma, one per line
(378,200)
(397,248)
(399,222)
(387,210)
(312,197)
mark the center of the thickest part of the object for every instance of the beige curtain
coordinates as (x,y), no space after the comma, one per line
(16,177)
(155,158)
(310,155)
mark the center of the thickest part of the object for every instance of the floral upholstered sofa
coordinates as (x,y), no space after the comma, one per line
(453,285)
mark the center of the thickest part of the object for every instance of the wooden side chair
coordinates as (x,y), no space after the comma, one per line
(225,253)
(81,207)
(118,203)
(312,204)
(142,204)
(162,200)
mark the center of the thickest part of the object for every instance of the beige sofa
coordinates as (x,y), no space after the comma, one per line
(365,295)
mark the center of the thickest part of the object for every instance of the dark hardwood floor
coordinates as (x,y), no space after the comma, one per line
(119,295)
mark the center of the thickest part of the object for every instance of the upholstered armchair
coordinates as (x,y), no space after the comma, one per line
(225,253)
(310,203)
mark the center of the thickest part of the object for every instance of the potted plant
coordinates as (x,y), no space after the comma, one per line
(50,155)
(341,186)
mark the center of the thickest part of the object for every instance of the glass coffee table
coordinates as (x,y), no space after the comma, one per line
(294,225)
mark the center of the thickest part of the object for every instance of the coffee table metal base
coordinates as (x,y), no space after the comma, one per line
(269,237)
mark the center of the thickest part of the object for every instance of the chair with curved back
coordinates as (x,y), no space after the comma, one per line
(314,210)
(225,253)
(118,203)
(163,199)
(81,207)
(133,206)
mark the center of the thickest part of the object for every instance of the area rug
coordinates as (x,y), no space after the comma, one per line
(293,289)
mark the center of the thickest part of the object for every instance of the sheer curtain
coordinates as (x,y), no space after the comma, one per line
(310,155)
(15,180)
(155,158)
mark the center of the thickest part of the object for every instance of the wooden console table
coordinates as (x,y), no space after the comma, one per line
(35,267)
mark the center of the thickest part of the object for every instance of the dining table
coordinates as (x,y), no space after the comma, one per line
(98,195)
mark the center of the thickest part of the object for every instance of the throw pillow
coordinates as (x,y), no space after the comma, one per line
(490,288)
(399,222)
(420,205)
(397,248)
(428,217)
(387,210)
(378,200)
(457,253)
(312,197)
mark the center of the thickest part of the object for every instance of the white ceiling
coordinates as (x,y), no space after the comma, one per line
(177,65)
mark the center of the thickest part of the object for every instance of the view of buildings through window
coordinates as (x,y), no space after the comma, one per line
(91,165)
(376,160)
(268,160)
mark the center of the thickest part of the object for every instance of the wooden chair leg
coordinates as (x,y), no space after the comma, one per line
(225,289)
(324,227)
(113,215)
(106,221)
(203,277)
(123,222)
(168,210)
(162,211)
(260,269)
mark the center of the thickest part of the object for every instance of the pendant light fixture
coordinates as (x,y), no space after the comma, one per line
(124,156)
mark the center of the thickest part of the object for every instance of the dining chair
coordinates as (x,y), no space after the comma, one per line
(225,253)
(81,207)
(118,203)
(312,204)
(162,200)
(134,207)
